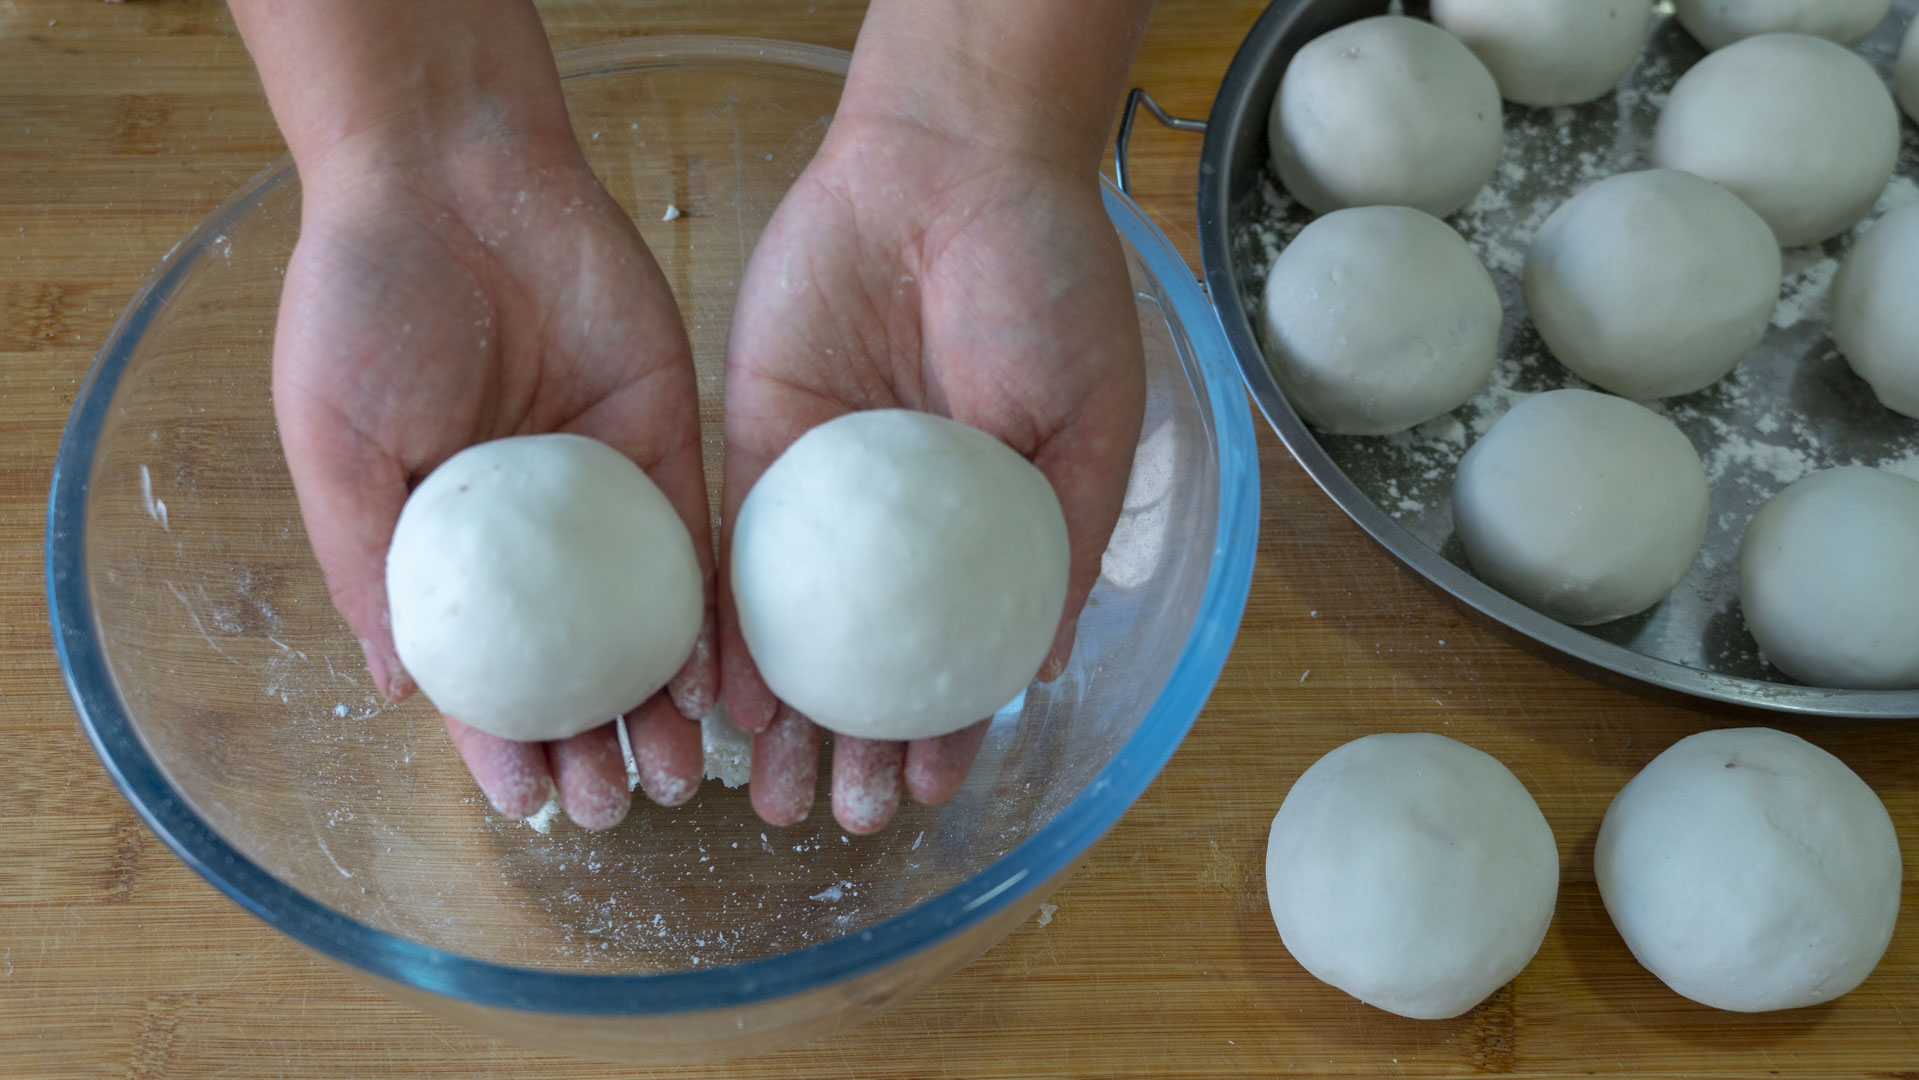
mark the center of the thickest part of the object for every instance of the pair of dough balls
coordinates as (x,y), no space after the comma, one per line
(1378,318)
(1829,579)
(1750,870)
(1581,505)
(897,575)
(1413,872)
(1798,127)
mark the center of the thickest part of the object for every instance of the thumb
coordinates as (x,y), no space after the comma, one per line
(350,494)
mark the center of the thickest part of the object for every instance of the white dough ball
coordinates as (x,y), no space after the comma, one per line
(1581,505)
(1386,111)
(1874,309)
(1906,72)
(1379,318)
(1800,128)
(1550,52)
(540,586)
(1750,870)
(1413,872)
(1651,284)
(899,575)
(1719,23)
(1829,579)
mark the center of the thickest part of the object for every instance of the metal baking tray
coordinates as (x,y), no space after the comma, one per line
(1791,407)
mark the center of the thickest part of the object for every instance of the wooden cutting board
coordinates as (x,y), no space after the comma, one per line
(121,124)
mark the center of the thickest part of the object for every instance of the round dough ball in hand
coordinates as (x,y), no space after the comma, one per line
(1550,52)
(1386,111)
(899,575)
(1379,318)
(1581,505)
(1413,872)
(1875,309)
(1750,870)
(541,586)
(1651,284)
(1719,23)
(1829,579)
(1906,73)
(1800,128)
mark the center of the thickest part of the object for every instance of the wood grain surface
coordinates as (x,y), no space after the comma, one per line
(122,124)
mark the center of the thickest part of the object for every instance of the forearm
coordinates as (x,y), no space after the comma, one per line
(403,79)
(1032,77)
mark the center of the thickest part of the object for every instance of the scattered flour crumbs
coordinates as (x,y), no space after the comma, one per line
(1791,408)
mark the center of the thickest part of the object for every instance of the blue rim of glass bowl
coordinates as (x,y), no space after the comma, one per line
(89,680)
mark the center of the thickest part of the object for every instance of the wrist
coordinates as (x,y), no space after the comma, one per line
(1035,80)
(369,86)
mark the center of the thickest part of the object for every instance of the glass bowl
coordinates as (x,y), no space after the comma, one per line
(229,702)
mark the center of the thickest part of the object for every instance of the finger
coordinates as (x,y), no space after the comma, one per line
(350,494)
(1089,464)
(695,690)
(935,768)
(866,783)
(591,777)
(513,776)
(786,767)
(666,750)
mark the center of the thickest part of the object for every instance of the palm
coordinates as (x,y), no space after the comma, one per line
(998,297)
(420,318)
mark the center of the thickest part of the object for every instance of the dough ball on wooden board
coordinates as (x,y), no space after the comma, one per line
(541,586)
(1906,73)
(1581,505)
(1379,318)
(1750,870)
(1829,579)
(1800,128)
(1413,872)
(1874,309)
(1651,284)
(1550,52)
(1386,111)
(899,575)
(1719,23)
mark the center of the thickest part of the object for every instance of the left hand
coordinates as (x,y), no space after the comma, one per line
(909,268)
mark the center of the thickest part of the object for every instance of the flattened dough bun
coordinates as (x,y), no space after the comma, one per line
(1829,579)
(1379,318)
(1652,284)
(1386,111)
(1581,505)
(1750,870)
(1874,309)
(899,575)
(1719,23)
(1800,128)
(1906,72)
(1413,872)
(540,586)
(1550,52)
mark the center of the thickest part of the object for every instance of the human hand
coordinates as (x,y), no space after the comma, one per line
(912,268)
(493,290)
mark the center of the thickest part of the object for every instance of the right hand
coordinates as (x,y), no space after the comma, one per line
(490,289)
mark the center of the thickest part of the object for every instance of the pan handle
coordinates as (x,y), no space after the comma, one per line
(1134,99)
